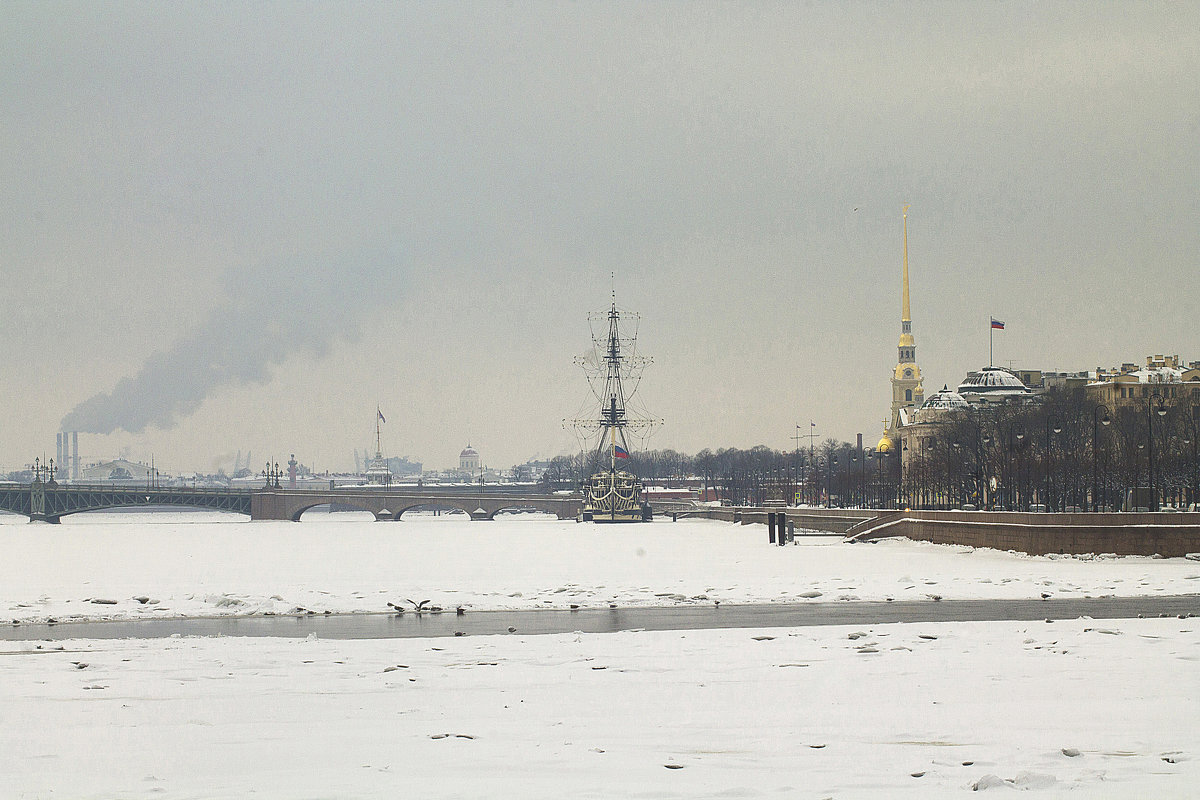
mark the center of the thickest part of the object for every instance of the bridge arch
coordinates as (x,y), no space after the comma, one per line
(438,504)
(83,512)
(345,512)
(519,509)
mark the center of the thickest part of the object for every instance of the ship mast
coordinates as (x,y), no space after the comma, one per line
(614,372)
(613,416)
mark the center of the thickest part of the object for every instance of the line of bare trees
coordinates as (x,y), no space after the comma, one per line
(835,473)
(1064,453)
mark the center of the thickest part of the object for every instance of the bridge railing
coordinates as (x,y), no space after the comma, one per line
(133,487)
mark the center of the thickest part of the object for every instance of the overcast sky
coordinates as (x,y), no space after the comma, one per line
(233,226)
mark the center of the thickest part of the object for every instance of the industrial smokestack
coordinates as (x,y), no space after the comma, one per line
(58,439)
(75,456)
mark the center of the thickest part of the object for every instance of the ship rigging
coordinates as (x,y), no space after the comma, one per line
(613,368)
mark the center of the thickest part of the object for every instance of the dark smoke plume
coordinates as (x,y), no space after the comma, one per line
(269,315)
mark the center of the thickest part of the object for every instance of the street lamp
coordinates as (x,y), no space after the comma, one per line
(1024,500)
(1190,438)
(271,473)
(957,445)
(850,490)
(986,441)
(830,463)
(1161,408)
(886,495)
(868,488)
(1096,423)
(1056,428)
(1137,466)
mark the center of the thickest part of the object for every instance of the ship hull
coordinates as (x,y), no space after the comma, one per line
(614,497)
(617,517)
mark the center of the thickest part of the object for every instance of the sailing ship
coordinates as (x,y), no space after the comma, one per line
(614,370)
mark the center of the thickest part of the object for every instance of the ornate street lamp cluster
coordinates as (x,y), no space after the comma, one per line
(272,474)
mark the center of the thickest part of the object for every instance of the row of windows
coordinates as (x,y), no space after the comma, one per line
(1161,391)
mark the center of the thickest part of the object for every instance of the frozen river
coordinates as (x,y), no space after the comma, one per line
(131,566)
(828,694)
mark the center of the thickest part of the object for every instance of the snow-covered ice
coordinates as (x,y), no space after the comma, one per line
(1080,708)
(119,565)
(1085,708)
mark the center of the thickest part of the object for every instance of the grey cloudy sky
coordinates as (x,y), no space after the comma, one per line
(240,226)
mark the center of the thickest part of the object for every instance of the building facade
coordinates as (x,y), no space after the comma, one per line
(1165,377)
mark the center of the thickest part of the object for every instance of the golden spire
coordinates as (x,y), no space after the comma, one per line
(904,317)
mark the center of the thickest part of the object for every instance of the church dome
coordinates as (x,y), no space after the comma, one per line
(469,451)
(993,381)
(944,399)
(885,445)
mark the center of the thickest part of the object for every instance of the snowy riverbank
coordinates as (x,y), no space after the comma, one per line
(1096,709)
(121,565)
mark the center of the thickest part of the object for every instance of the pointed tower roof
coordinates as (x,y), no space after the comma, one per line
(905,316)
(907,389)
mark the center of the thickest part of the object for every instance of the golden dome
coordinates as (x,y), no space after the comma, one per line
(884,446)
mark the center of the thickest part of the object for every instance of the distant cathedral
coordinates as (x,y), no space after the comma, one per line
(907,390)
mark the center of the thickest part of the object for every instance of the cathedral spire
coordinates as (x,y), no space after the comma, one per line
(908,345)
(905,316)
(907,388)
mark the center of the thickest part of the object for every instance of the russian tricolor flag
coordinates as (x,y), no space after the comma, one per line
(997,324)
(620,452)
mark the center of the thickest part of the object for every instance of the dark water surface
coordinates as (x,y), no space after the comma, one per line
(606,620)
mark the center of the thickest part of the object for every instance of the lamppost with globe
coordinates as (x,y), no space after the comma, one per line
(1151,408)
(1051,426)
(1097,421)
(1190,436)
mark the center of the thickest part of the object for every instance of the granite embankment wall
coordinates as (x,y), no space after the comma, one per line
(1169,535)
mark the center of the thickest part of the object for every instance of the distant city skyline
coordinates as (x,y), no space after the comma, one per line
(245,227)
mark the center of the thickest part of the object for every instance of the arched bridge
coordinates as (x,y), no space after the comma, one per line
(390,503)
(49,502)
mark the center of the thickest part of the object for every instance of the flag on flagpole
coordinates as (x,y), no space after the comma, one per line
(997,324)
(380,413)
(620,452)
